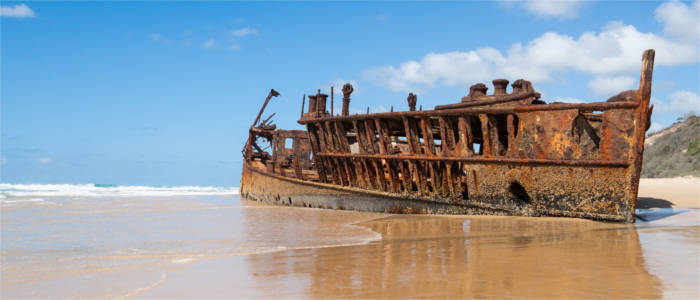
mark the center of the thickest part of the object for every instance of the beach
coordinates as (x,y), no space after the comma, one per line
(680,192)
(215,245)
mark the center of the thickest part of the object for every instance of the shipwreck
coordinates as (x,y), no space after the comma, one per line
(489,154)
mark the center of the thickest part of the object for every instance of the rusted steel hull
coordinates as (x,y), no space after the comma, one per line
(590,197)
(257,185)
(504,154)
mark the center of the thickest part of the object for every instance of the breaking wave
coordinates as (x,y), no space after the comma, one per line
(8,190)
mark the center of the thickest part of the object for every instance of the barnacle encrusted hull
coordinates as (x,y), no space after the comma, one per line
(504,154)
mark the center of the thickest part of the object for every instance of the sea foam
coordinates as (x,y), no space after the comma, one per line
(8,190)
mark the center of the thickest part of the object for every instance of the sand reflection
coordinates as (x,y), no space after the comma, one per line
(482,257)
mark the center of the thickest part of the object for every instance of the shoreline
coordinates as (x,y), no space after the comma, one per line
(451,256)
(216,246)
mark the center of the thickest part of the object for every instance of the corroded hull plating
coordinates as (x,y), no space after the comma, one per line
(499,154)
(258,185)
(490,198)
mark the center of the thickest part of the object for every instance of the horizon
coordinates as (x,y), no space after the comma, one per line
(162,94)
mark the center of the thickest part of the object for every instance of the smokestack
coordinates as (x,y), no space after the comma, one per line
(500,86)
(347,90)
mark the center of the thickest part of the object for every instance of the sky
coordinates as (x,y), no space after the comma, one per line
(163,93)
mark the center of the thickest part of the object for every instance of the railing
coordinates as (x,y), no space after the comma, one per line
(425,152)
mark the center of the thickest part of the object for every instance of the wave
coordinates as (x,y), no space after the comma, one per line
(8,190)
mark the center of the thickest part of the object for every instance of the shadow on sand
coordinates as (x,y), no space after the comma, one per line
(648,202)
(653,209)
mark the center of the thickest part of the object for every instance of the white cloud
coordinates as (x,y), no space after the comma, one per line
(680,20)
(17,11)
(561,9)
(451,68)
(246,31)
(212,44)
(209,44)
(611,85)
(681,103)
(614,51)
(240,33)
(380,17)
(43,160)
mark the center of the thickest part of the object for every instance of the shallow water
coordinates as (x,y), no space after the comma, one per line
(214,247)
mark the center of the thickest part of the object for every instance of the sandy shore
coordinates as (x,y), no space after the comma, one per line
(222,247)
(680,192)
(468,257)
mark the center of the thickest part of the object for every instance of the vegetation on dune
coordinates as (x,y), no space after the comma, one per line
(673,151)
(694,147)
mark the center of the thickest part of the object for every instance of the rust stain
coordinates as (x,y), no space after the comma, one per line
(532,158)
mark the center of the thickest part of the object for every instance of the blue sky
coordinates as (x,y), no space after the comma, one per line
(162,93)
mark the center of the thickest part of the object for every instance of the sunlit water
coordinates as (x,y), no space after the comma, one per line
(213,246)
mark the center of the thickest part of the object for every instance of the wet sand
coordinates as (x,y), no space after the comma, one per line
(222,247)
(480,257)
